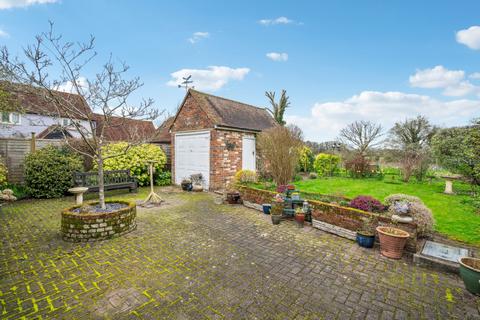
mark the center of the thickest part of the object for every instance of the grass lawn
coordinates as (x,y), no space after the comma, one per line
(453,217)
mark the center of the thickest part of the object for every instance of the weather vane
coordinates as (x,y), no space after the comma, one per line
(186,81)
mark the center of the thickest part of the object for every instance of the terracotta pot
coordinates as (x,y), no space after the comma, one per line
(392,241)
(300,219)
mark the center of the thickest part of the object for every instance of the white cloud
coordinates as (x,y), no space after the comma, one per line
(8,4)
(475,75)
(212,78)
(197,36)
(69,87)
(277,56)
(452,81)
(4,34)
(328,118)
(279,20)
(470,37)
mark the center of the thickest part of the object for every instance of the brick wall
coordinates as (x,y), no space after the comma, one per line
(344,217)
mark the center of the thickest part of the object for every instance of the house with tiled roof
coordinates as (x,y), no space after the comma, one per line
(124,129)
(34,111)
(216,137)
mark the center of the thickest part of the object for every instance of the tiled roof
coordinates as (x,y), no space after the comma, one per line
(125,129)
(233,114)
(163,131)
(36,100)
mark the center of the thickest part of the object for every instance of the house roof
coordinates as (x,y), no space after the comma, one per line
(163,131)
(232,114)
(54,132)
(35,100)
(124,129)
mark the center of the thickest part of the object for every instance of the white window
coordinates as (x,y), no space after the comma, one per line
(10,117)
(66,122)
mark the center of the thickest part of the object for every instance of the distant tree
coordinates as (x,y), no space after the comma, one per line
(325,147)
(458,149)
(411,139)
(278,108)
(51,62)
(296,131)
(361,135)
(280,150)
(306,159)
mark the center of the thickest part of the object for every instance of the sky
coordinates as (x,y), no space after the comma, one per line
(340,61)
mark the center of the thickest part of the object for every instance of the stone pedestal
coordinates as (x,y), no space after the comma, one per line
(78,192)
(448,186)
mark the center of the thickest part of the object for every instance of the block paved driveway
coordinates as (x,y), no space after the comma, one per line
(194,259)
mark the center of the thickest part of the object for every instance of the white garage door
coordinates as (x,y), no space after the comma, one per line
(192,156)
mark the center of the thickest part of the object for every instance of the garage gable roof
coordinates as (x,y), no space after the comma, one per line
(231,114)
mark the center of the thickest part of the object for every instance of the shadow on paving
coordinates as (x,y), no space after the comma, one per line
(193,259)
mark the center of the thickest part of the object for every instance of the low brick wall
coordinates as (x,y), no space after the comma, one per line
(83,227)
(336,215)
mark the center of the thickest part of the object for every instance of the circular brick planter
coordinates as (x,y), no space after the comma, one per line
(83,227)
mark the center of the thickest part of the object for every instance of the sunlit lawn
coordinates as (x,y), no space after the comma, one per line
(453,218)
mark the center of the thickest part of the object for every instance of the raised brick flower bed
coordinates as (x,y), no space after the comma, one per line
(334,218)
(83,227)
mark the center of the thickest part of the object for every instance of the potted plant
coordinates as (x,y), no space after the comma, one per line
(366,234)
(186,184)
(267,207)
(470,273)
(233,196)
(197,182)
(299,217)
(277,209)
(392,241)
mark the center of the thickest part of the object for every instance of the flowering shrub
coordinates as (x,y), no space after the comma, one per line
(326,164)
(246,176)
(134,159)
(367,203)
(404,204)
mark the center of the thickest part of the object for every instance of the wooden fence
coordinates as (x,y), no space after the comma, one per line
(13,152)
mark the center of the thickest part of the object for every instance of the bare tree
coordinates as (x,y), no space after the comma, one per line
(361,135)
(278,109)
(280,150)
(51,63)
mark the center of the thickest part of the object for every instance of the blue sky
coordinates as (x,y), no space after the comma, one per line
(340,61)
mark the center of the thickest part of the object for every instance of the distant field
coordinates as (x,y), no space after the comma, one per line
(454,218)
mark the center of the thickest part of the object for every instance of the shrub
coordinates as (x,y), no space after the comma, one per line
(313,175)
(48,171)
(279,149)
(3,173)
(421,214)
(305,161)
(297,178)
(134,159)
(163,178)
(246,176)
(358,166)
(367,203)
(326,164)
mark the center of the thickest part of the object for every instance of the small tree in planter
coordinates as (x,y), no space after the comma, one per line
(51,64)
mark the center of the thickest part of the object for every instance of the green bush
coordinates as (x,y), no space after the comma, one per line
(3,173)
(326,164)
(163,178)
(245,176)
(305,162)
(134,159)
(48,171)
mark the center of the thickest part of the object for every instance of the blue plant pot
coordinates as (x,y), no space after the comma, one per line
(366,241)
(266,208)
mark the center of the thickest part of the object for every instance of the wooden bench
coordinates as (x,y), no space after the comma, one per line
(113,180)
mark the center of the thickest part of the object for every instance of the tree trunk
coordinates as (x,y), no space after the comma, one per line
(101,187)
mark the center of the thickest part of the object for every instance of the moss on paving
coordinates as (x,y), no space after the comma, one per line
(193,259)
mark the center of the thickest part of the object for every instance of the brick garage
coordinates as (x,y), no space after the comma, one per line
(216,137)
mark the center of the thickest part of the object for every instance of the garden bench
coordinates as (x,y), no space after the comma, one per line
(113,180)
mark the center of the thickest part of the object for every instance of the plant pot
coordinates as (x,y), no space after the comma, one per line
(266,208)
(470,273)
(233,197)
(300,219)
(365,240)
(197,188)
(392,241)
(276,218)
(187,186)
